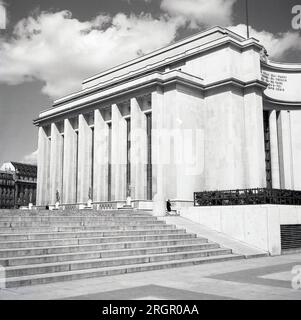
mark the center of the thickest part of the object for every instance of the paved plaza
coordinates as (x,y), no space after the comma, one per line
(257,278)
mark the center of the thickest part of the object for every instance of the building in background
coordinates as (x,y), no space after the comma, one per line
(22,179)
(7,190)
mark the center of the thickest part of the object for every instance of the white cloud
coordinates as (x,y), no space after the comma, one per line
(201,12)
(30,158)
(276,44)
(61,51)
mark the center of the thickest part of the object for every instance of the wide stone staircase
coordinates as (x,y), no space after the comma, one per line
(44,246)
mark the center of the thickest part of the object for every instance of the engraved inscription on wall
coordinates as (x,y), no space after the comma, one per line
(275,81)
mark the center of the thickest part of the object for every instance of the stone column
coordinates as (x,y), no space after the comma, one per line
(16,194)
(43,169)
(56,163)
(70,160)
(119,155)
(22,194)
(274,150)
(158,153)
(101,157)
(84,159)
(138,151)
(255,174)
(285,150)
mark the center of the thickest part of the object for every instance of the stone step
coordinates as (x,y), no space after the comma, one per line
(99,272)
(21,252)
(92,212)
(5,220)
(95,240)
(83,228)
(75,211)
(87,255)
(47,246)
(86,234)
(75,218)
(108,262)
(22,224)
(56,214)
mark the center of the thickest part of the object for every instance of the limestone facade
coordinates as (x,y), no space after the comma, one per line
(189,117)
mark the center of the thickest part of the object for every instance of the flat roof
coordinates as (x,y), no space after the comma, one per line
(169,47)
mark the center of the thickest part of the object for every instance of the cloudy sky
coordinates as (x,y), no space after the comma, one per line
(48,47)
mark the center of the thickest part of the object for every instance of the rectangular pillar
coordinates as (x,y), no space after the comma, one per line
(56,163)
(70,163)
(255,171)
(43,168)
(285,150)
(158,152)
(119,154)
(84,160)
(138,152)
(101,157)
(295,117)
(274,150)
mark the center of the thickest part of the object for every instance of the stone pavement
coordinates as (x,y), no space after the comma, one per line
(258,278)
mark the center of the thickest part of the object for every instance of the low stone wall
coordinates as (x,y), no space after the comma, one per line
(142,204)
(148,204)
(257,225)
(108,205)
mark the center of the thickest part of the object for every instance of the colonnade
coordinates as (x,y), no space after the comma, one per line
(103,154)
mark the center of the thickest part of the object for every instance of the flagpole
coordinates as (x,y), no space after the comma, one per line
(247,19)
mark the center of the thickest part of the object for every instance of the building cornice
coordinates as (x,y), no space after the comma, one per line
(130,87)
(280,103)
(281,67)
(236,83)
(146,83)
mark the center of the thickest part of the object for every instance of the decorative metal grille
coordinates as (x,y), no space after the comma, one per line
(247,197)
(290,236)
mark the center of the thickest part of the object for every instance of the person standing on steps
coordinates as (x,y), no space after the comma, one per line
(168,207)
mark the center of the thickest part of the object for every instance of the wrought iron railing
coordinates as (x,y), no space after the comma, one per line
(247,197)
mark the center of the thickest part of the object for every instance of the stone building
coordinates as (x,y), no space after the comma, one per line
(24,178)
(209,112)
(7,190)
